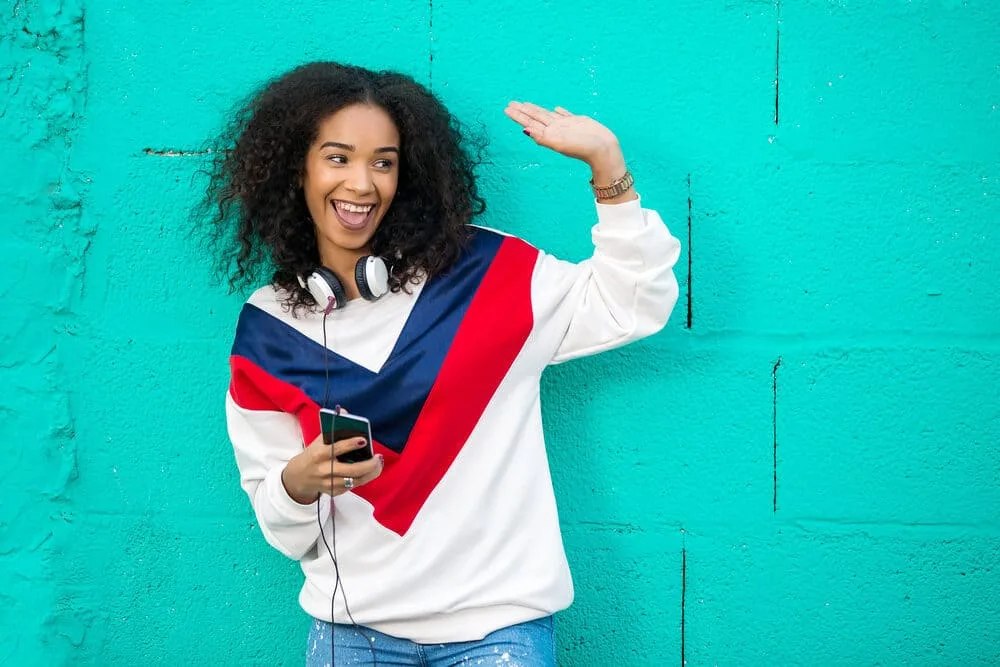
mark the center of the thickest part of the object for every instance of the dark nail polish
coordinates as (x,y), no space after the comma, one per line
(527,133)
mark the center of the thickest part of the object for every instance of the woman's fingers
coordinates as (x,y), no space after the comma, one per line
(357,470)
(537,113)
(532,116)
(514,112)
(361,481)
(359,474)
(348,445)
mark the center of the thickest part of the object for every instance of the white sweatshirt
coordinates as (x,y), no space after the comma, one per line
(460,535)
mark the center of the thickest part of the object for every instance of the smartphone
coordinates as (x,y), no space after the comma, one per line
(343,425)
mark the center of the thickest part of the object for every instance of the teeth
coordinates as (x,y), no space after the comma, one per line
(354,208)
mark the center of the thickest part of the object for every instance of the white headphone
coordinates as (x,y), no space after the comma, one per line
(370,273)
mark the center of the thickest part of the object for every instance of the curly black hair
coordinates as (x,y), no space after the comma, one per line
(256,204)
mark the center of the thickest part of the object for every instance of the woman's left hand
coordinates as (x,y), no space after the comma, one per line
(579,137)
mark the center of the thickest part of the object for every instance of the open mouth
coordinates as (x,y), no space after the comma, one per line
(352,215)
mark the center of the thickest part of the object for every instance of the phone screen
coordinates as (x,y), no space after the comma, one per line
(343,426)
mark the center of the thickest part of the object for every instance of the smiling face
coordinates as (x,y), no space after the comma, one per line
(350,178)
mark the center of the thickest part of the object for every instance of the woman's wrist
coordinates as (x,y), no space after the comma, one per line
(296,494)
(607,165)
(608,169)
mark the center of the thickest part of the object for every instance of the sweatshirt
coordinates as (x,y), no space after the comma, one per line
(459,536)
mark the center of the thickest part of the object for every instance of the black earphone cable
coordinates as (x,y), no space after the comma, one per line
(338,583)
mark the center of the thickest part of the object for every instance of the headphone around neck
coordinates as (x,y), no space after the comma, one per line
(370,274)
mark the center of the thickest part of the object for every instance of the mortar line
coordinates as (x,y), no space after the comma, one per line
(170,152)
(430,44)
(777,58)
(774,428)
(690,304)
(683,600)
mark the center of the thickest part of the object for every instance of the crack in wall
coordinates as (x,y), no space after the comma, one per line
(430,44)
(690,303)
(175,152)
(683,602)
(774,429)
(777,59)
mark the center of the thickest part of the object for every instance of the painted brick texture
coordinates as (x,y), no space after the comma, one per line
(811,474)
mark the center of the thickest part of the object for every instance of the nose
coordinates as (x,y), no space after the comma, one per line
(359,180)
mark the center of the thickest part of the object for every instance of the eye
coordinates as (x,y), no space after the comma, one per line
(384,164)
(336,159)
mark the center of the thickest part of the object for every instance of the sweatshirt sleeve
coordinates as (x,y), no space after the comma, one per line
(625,291)
(264,441)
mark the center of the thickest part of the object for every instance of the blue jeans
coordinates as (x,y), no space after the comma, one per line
(528,644)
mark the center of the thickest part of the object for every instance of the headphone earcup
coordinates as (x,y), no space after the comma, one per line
(372,277)
(324,285)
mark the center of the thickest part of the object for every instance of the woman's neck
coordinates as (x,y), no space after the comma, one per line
(342,263)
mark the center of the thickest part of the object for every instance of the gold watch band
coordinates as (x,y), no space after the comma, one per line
(618,187)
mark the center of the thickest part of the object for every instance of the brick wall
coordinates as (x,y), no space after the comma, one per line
(810,471)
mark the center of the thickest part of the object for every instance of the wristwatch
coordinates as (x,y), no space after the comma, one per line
(618,187)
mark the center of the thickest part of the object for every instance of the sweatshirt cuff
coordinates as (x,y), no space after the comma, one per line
(626,216)
(287,511)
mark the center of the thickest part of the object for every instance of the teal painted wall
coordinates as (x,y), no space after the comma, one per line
(813,470)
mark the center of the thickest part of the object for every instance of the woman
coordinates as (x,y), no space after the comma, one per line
(357,190)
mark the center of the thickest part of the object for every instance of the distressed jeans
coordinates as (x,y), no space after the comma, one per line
(528,644)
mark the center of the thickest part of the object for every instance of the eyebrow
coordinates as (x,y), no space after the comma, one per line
(349,147)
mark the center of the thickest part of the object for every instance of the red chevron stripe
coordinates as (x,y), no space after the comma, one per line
(500,316)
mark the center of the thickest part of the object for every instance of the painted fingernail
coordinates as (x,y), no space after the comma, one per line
(527,133)
(381,460)
(360,442)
